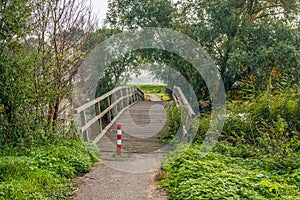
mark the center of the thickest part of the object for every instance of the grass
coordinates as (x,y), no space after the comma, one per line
(157,89)
(44,172)
(218,175)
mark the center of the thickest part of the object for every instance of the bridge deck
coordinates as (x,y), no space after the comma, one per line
(143,126)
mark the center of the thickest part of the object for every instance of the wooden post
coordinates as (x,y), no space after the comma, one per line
(109,112)
(85,133)
(125,100)
(115,107)
(132,95)
(122,102)
(135,97)
(128,96)
(99,111)
(124,95)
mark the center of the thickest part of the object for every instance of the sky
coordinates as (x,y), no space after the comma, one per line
(100,8)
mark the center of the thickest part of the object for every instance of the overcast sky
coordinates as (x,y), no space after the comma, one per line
(100,8)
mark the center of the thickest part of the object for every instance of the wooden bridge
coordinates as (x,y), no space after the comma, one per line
(143,125)
(143,121)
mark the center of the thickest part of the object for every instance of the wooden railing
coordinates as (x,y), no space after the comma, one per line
(115,103)
(187,111)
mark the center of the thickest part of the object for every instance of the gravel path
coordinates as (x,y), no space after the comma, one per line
(105,183)
(132,176)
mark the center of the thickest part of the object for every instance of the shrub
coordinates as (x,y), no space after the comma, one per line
(271,122)
(44,172)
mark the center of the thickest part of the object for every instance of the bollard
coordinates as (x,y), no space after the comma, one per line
(119,139)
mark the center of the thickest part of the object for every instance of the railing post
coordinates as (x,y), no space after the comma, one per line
(128,96)
(125,95)
(115,107)
(132,95)
(109,112)
(85,133)
(122,102)
(136,96)
(99,111)
(126,99)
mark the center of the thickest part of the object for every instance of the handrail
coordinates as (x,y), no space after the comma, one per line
(118,100)
(93,102)
(182,101)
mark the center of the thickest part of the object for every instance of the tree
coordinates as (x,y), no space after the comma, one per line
(15,72)
(254,42)
(40,52)
(61,27)
(133,14)
(249,40)
(118,71)
(156,13)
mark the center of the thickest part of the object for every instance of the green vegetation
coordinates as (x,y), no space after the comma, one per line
(255,45)
(37,66)
(40,53)
(251,42)
(173,123)
(225,175)
(157,89)
(258,155)
(44,172)
(270,122)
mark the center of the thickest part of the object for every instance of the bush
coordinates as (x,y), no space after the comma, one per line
(271,123)
(44,172)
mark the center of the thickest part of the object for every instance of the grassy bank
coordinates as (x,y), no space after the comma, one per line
(221,175)
(44,172)
(257,157)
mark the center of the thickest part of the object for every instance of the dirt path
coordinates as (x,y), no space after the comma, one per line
(105,183)
(132,176)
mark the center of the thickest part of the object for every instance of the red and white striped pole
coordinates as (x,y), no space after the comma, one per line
(119,139)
